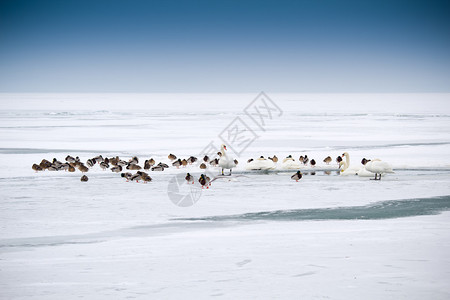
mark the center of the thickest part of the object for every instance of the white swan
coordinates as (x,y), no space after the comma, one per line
(226,162)
(290,164)
(364,173)
(346,169)
(378,167)
(260,164)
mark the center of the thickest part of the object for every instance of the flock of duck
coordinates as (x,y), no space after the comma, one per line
(369,168)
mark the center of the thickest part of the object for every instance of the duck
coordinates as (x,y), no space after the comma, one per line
(133,166)
(90,162)
(134,160)
(64,166)
(122,163)
(203,166)
(172,157)
(45,164)
(297,176)
(236,162)
(226,162)
(36,167)
(135,177)
(219,154)
(204,181)
(274,159)
(327,160)
(151,161)
(214,162)
(158,168)
(104,165)
(116,169)
(189,178)
(184,163)
(250,160)
(165,166)
(84,178)
(177,163)
(126,175)
(56,163)
(305,159)
(83,168)
(260,164)
(378,167)
(206,158)
(114,160)
(70,159)
(98,159)
(191,160)
(338,159)
(147,165)
(313,163)
(71,168)
(146,178)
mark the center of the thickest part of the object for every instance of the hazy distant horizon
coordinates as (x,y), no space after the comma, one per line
(113,46)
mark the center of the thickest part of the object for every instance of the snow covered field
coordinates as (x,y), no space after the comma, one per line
(255,235)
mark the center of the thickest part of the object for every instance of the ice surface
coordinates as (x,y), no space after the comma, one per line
(257,234)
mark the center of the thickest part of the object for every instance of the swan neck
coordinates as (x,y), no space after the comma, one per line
(223,151)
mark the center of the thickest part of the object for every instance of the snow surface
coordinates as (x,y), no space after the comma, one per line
(253,235)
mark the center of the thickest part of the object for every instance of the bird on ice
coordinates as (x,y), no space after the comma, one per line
(297,176)
(177,163)
(327,160)
(274,159)
(204,181)
(189,178)
(226,162)
(377,167)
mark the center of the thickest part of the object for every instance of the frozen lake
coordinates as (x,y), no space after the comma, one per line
(252,235)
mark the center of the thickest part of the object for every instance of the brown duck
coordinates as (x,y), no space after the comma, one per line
(36,167)
(327,160)
(133,167)
(177,163)
(184,163)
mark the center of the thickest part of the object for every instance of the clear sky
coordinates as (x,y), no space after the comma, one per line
(224,46)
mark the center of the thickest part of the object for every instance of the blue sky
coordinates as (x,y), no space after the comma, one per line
(224,46)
